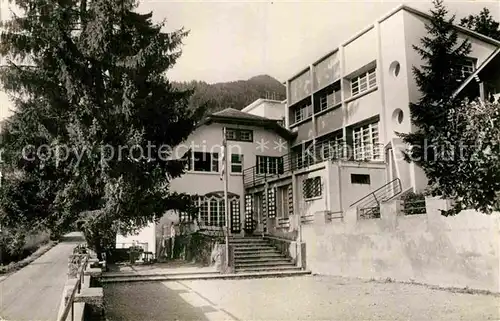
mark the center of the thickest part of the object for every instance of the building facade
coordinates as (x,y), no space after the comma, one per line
(339,149)
(346,108)
(251,140)
(268,108)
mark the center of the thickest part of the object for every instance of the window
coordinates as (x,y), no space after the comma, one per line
(212,210)
(363,82)
(305,156)
(468,68)
(204,212)
(205,162)
(360,179)
(221,213)
(302,113)
(366,142)
(311,187)
(236,163)
(328,99)
(331,148)
(269,165)
(242,135)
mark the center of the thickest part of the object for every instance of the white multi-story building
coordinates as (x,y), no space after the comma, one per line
(342,113)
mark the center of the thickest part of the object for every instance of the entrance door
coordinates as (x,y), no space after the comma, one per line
(259,202)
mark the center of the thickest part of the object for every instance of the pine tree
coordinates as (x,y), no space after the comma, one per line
(88,80)
(482,23)
(443,55)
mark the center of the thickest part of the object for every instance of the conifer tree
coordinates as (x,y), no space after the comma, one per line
(437,134)
(482,23)
(94,113)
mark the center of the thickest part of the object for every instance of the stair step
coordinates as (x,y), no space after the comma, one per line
(238,275)
(258,254)
(272,268)
(252,248)
(248,243)
(246,247)
(263,264)
(249,239)
(259,259)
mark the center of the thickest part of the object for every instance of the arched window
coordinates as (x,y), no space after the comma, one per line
(213,212)
(222,213)
(212,209)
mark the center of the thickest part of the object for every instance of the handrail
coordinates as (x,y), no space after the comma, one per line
(377,190)
(77,287)
(288,163)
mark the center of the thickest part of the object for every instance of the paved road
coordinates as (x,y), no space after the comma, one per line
(300,298)
(34,292)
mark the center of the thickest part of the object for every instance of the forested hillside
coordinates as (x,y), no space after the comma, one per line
(234,94)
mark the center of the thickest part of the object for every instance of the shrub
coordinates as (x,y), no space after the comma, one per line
(413,203)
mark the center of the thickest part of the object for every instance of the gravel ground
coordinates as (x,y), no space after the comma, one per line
(299,298)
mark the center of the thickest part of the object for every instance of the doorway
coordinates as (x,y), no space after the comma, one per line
(258,204)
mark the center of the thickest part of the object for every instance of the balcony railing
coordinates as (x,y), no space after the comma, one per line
(258,175)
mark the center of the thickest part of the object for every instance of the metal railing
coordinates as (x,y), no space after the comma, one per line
(369,205)
(331,215)
(69,306)
(413,207)
(307,219)
(295,160)
(284,222)
(286,164)
(258,175)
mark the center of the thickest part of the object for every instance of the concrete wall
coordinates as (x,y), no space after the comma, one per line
(459,251)
(394,84)
(350,192)
(330,121)
(365,107)
(266,108)
(310,206)
(326,71)
(338,193)
(360,52)
(144,236)
(300,87)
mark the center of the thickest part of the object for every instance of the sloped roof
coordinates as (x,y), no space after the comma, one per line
(234,113)
(237,117)
(476,72)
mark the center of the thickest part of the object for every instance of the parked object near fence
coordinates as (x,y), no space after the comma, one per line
(458,251)
(83,296)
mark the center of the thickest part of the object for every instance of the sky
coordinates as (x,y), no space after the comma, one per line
(233,40)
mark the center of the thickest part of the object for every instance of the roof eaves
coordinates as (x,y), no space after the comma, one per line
(462,29)
(266,123)
(476,72)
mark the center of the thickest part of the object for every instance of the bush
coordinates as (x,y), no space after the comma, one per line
(16,245)
(413,203)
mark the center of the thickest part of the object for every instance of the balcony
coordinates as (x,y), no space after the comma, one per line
(259,175)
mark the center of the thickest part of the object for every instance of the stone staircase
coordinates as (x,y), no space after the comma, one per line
(256,254)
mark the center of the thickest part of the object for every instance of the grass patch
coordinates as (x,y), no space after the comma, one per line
(15,266)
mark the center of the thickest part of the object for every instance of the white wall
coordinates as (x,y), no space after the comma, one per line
(459,251)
